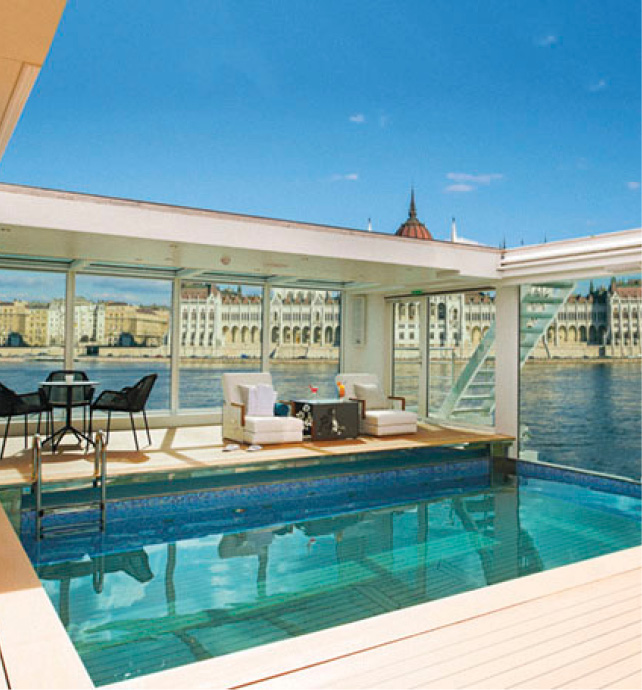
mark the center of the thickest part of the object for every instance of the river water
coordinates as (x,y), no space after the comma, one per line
(584,414)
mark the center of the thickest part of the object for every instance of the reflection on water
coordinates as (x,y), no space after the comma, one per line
(170,604)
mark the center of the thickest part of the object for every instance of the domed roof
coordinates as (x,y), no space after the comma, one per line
(413,227)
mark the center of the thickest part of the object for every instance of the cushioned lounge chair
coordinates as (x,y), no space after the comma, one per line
(245,423)
(377,417)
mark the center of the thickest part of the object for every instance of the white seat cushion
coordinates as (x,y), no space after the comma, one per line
(372,395)
(390,417)
(273,424)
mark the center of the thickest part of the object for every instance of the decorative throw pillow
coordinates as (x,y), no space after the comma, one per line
(260,401)
(372,394)
(281,410)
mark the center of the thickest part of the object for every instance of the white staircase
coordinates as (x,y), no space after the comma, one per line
(472,397)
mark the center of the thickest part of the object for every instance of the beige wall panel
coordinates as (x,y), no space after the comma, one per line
(27,28)
(9,71)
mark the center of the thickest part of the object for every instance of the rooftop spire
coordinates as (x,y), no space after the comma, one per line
(453,231)
(412,212)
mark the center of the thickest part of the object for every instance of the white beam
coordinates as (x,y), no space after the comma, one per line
(175,348)
(507,306)
(265,329)
(70,304)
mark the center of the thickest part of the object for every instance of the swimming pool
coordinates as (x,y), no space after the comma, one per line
(188,576)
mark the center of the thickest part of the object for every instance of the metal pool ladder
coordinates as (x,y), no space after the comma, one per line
(71,499)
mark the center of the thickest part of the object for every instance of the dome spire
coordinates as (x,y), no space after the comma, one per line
(413,227)
(412,212)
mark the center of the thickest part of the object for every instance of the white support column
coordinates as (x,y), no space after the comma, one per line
(342,330)
(424,339)
(507,307)
(387,342)
(175,348)
(70,303)
(265,329)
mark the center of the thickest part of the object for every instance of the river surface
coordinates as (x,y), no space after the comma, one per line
(585,414)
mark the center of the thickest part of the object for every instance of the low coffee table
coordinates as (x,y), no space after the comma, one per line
(325,420)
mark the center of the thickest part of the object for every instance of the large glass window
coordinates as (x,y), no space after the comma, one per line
(221,331)
(122,332)
(461,376)
(32,327)
(407,352)
(580,378)
(305,339)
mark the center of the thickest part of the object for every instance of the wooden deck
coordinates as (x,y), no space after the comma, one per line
(197,448)
(572,627)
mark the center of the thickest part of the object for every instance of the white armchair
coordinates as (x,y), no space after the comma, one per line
(376,415)
(246,425)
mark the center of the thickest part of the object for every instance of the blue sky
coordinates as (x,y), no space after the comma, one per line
(522,119)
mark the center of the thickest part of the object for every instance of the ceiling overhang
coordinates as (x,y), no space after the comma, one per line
(27,29)
(51,230)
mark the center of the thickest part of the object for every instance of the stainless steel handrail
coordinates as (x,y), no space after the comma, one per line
(36,481)
(100,469)
(100,475)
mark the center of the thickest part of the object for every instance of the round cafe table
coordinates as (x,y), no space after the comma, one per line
(68,427)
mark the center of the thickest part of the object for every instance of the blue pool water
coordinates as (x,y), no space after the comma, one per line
(181,578)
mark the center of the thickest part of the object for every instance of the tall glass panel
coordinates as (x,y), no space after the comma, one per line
(32,327)
(580,380)
(461,369)
(122,332)
(305,340)
(221,327)
(407,352)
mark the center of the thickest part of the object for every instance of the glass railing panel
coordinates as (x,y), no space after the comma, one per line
(580,402)
(122,330)
(32,327)
(305,342)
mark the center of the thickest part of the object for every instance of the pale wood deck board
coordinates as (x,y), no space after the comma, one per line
(493,639)
(632,682)
(597,636)
(488,636)
(197,448)
(36,650)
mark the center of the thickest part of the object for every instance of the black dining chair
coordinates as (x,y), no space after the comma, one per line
(14,404)
(81,396)
(130,399)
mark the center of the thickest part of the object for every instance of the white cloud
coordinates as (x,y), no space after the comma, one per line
(350,177)
(633,185)
(485,179)
(598,86)
(547,41)
(460,188)
(358,118)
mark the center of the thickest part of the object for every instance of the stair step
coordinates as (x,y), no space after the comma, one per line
(537,315)
(542,299)
(556,284)
(468,410)
(476,397)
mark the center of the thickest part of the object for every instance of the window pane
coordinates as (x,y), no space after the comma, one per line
(122,332)
(305,337)
(32,327)
(462,358)
(220,332)
(580,379)
(406,362)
